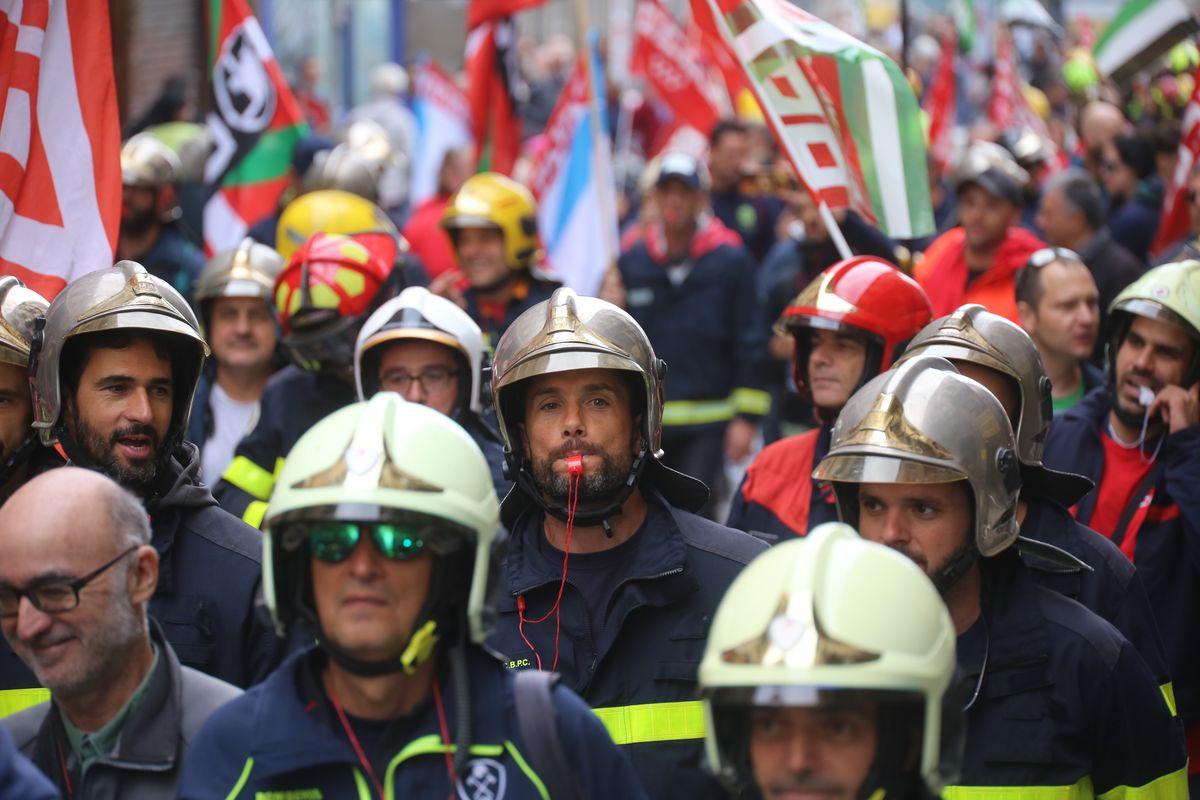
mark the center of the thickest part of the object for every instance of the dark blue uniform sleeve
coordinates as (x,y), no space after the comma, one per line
(218,764)
(1181,470)
(1139,745)
(19,778)
(601,769)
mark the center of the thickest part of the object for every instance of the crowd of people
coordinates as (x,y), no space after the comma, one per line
(370,505)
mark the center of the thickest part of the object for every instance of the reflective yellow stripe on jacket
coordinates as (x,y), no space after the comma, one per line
(702,412)
(1172,786)
(14,700)
(1168,693)
(653,722)
(252,478)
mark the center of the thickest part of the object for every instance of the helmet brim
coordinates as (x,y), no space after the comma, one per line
(1065,488)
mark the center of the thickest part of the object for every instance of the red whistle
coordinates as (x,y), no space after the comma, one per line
(575,464)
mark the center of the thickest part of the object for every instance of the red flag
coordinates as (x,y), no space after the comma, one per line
(492,88)
(1176,222)
(940,105)
(482,11)
(1002,105)
(254,126)
(715,54)
(670,63)
(60,143)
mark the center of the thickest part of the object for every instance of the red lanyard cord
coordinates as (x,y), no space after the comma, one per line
(362,758)
(575,473)
(441,712)
(62,764)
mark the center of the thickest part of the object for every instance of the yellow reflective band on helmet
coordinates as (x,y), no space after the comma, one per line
(241,781)
(420,647)
(751,401)
(254,513)
(1168,693)
(14,700)
(653,722)
(251,478)
(696,412)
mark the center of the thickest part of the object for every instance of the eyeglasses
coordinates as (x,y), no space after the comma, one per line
(1109,166)
(52,595)
(1048,255)
(333,542)
(432,380)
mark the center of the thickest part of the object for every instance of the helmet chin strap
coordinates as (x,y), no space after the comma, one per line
(23,452)
(958,566)
(586,519)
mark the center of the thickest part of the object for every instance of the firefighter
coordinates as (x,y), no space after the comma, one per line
(846,327)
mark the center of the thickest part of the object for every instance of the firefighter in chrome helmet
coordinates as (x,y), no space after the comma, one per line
(322,297)
(492,224)
(235,297)
(381,543)
(1138,439)
(608,573)
(848,325)
(113,371)
(924,460)
(808,688)
(20,452)
(1003,358)
(429,351)
(149,234)
(343,168)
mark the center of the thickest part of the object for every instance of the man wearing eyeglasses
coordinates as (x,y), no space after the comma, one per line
(73,605)
(429,351)
(924,460)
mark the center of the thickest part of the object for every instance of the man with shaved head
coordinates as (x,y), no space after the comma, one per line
(77,576)
(1099,124)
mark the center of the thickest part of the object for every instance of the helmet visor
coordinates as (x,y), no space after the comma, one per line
(870,468)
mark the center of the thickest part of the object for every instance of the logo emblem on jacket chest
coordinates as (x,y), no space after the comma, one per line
(486,779)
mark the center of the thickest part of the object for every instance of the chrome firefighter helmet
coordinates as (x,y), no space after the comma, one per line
(974,335)
(248,270)
(923,422)
(125,299)
(567,333)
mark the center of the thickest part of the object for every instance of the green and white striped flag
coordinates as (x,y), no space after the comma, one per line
(1141,32)
(841,110)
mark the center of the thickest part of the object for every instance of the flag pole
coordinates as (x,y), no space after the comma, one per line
(835,231)
(603,185)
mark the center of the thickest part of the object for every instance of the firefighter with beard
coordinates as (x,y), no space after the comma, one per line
(150,212)
(1138,439)
(114,372)
(998,354)
(610,579)
(809,691)
(847,326)
(492,224)
(329,287)
(23,455)
(426,349)
(381,542)
(924,460)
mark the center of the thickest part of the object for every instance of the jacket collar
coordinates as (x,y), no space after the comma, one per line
(1015,622)
(150,737)
(661,554)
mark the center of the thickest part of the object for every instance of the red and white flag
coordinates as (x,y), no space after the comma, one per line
(1008,106)
(1175,222)
(60,142)
(671,64)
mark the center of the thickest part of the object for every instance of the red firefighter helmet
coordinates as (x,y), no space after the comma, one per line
(328,288)
(863,295)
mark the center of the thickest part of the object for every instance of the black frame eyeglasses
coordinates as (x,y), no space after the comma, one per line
(53,595)
(432,380)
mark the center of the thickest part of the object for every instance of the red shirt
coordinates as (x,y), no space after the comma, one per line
(428,239)
(1124,469)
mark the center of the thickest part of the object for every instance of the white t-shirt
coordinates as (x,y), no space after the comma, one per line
(231,421)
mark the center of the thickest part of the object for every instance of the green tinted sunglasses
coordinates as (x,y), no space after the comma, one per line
(333,542)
